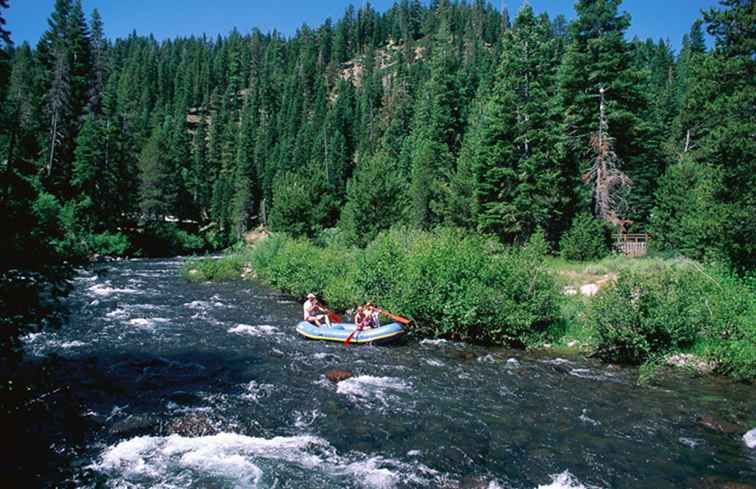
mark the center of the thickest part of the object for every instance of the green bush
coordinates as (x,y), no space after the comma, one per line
(451,284)
(214,269)
(188,242)
(110,244)
(654,312)
(587,239)
(643,314)
(298,266)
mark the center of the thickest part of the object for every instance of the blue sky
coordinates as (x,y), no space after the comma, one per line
(27,19)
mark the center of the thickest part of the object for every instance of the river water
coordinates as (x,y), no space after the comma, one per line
(206,385)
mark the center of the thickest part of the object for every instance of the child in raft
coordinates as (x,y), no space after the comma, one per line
(367,317)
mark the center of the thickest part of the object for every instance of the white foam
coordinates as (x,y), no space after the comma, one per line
(236,460)
(487,359)
(259,330)
(750,438)
(256,391)
(585,419)
(307,418)
(71,344)
(205,305)
(565,480)
(436,342)
(366,388)
(433,363)
(105,290)
(147,322)
(558,361)
(32,337)
(688,442)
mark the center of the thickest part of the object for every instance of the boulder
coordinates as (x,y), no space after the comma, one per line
(688,360)
(338,375)
(589,290)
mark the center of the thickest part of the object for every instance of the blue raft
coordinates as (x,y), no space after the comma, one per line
(341,331)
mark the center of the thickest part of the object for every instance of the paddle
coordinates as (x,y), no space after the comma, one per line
(393,316)
(349,338)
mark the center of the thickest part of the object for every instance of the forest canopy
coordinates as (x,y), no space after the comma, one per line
(450,113)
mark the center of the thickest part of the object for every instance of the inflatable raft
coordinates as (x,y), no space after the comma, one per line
(341,331)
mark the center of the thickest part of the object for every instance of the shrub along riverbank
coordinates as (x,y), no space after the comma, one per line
(466,287)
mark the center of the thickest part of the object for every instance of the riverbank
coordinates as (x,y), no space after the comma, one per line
(647,311)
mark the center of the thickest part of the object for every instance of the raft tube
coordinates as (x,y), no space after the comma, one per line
(341,331)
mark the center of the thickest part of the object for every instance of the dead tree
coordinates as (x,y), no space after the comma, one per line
(604,175)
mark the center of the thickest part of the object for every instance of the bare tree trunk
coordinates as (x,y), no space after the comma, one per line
(53,137)
(604,173)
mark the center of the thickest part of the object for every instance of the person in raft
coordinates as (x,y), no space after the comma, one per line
(314,312)
(366,317)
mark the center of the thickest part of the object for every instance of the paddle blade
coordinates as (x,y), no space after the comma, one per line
(396,318)
(349,338)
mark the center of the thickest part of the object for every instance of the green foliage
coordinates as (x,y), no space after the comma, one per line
(647,314)
(292,205)
(214,269)
(587,239)
(372,203)
(452,284)
(110,244)
(167,239)
(689,218)
(516,163)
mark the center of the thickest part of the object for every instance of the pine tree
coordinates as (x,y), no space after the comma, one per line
(79,52)
(5,44)
(99,63)
(436,133)
(370,207)
(599,58)
(157,189)
(724,91)
(517,179)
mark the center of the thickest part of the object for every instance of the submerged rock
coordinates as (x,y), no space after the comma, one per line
(466,355)
(192,425)
(181,397)
(718,425)
(717,483)
(132,426)
(338,375)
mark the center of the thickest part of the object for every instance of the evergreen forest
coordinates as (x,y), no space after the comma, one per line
(429,114)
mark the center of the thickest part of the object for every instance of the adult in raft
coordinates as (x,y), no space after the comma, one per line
(314,312)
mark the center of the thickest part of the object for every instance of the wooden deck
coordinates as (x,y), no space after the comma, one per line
(631,244)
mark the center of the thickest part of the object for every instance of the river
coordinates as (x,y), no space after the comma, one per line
(206,385)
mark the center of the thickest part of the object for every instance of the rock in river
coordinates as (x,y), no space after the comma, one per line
(719,425)
(337,375)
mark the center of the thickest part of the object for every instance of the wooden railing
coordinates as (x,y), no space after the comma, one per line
(631,244)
